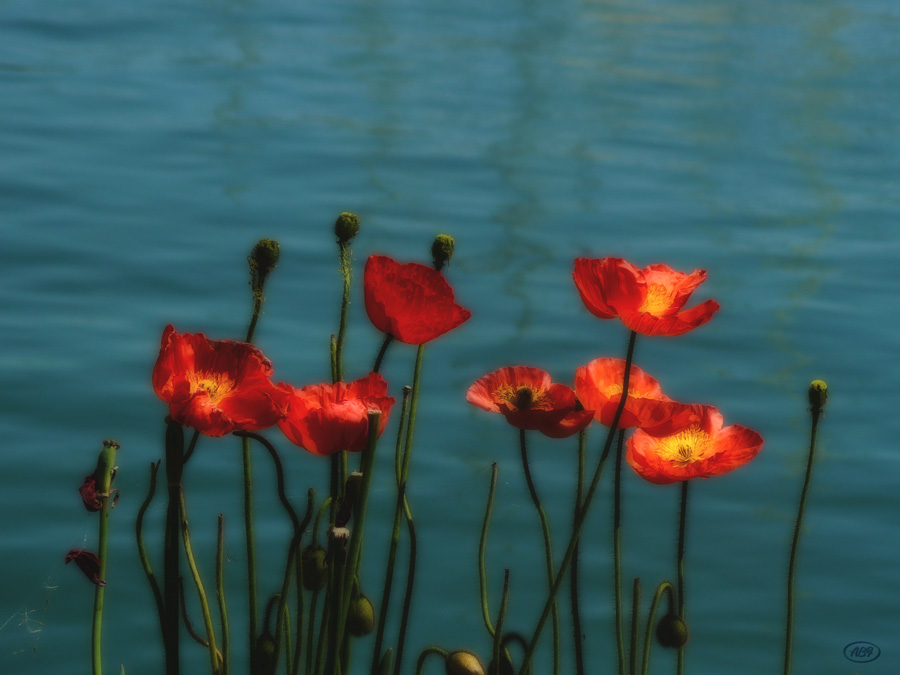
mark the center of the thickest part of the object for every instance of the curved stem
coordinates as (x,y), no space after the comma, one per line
(428,651)
(576,532)
(681,532)
(410,582)
(345,302)
(577,631)
(220,594)
(617,552)
(548,546)
(664,587)
(501,615)
(816,411)
(482,545)
(388,338)
(144,556)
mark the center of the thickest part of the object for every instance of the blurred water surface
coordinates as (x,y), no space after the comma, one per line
(145,147)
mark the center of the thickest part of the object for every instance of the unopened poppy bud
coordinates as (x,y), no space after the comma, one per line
(346,227)
(265,653)
(818,394)
(360,616)
(314,568)
(442,250)
(506,666)
(351,487)
(462,662)
(263,259)
(672,631)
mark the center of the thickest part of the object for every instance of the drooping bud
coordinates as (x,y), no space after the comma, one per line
(818,394)
(263,259)
(462,662)
(360,616)
(442,250)
(314,568)
(265,653)
(506,666)
(346,227)
(672,631)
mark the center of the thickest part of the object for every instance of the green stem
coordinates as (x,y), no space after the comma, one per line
(681,532)
(220,594)
(410,582)
(582,516)
(635,618)
(172,553)
(252,606)
(501,615)
(664,587)
(144,556)
(482,546)
(395,535)
(346,273)
(198,582)
(548,546)
(388,338)
(617,552)
(577,633)
(106,463)
(428,651)
(816,411)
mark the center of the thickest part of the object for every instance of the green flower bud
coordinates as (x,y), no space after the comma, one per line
(265,654)
(672,631)
(442,250)
(346,227)
(462,662)
(314,568)
(818,394)
(360,616)
(263,259)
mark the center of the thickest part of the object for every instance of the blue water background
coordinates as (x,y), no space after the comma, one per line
(144,147)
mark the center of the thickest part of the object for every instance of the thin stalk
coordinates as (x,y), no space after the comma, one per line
(664,587)
(172,553)
(198,582)
(548,546)
(635,619)
(252,606)
(617,552)
(482,546)
(346,273)
(388,338)
(144,556)
(501,615)
(428,651)
(395,536)
(410,583)
(106,463)
(582,516)
(220,594)
(573,577)
(681,532)
(818,402)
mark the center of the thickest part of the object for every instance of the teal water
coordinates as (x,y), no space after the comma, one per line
(144,148)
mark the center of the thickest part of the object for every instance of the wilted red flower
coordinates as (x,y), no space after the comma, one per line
(328,418)
(88,563)
(215,386)
(529,400)
(598,386)
(88,491)
(700,449)
(411,302)
(648,300)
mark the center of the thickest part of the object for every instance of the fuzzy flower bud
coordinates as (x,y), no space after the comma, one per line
(818,394)
(314,568)
(462,662)
(262,260)
(672,631)
(346,227)
(360,616)
(442,250)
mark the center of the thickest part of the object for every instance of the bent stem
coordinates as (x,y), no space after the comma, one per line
(816,411)
(573,578)
(144,556)
(664,587)
(482,545)
(617,551)
(576,531)
(548,546)
(681,531)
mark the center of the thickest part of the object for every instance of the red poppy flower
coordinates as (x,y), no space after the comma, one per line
(412,302)
(700,449)
(529,400)
(598,386)
(88,563)
(328,418)
(215,386)
(648,300)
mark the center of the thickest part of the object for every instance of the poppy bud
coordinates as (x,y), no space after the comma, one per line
(462,662)
(346,227)
(314,568)
(818,394)
(672,631)
(265,654)
(360,616)
(88,563)
(442,250)
(506,666)
(351,487)
(262,261)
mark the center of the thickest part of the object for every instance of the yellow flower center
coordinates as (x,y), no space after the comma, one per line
(217,385)
(523,397)
(658,300)
(686,447)
(612,389)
